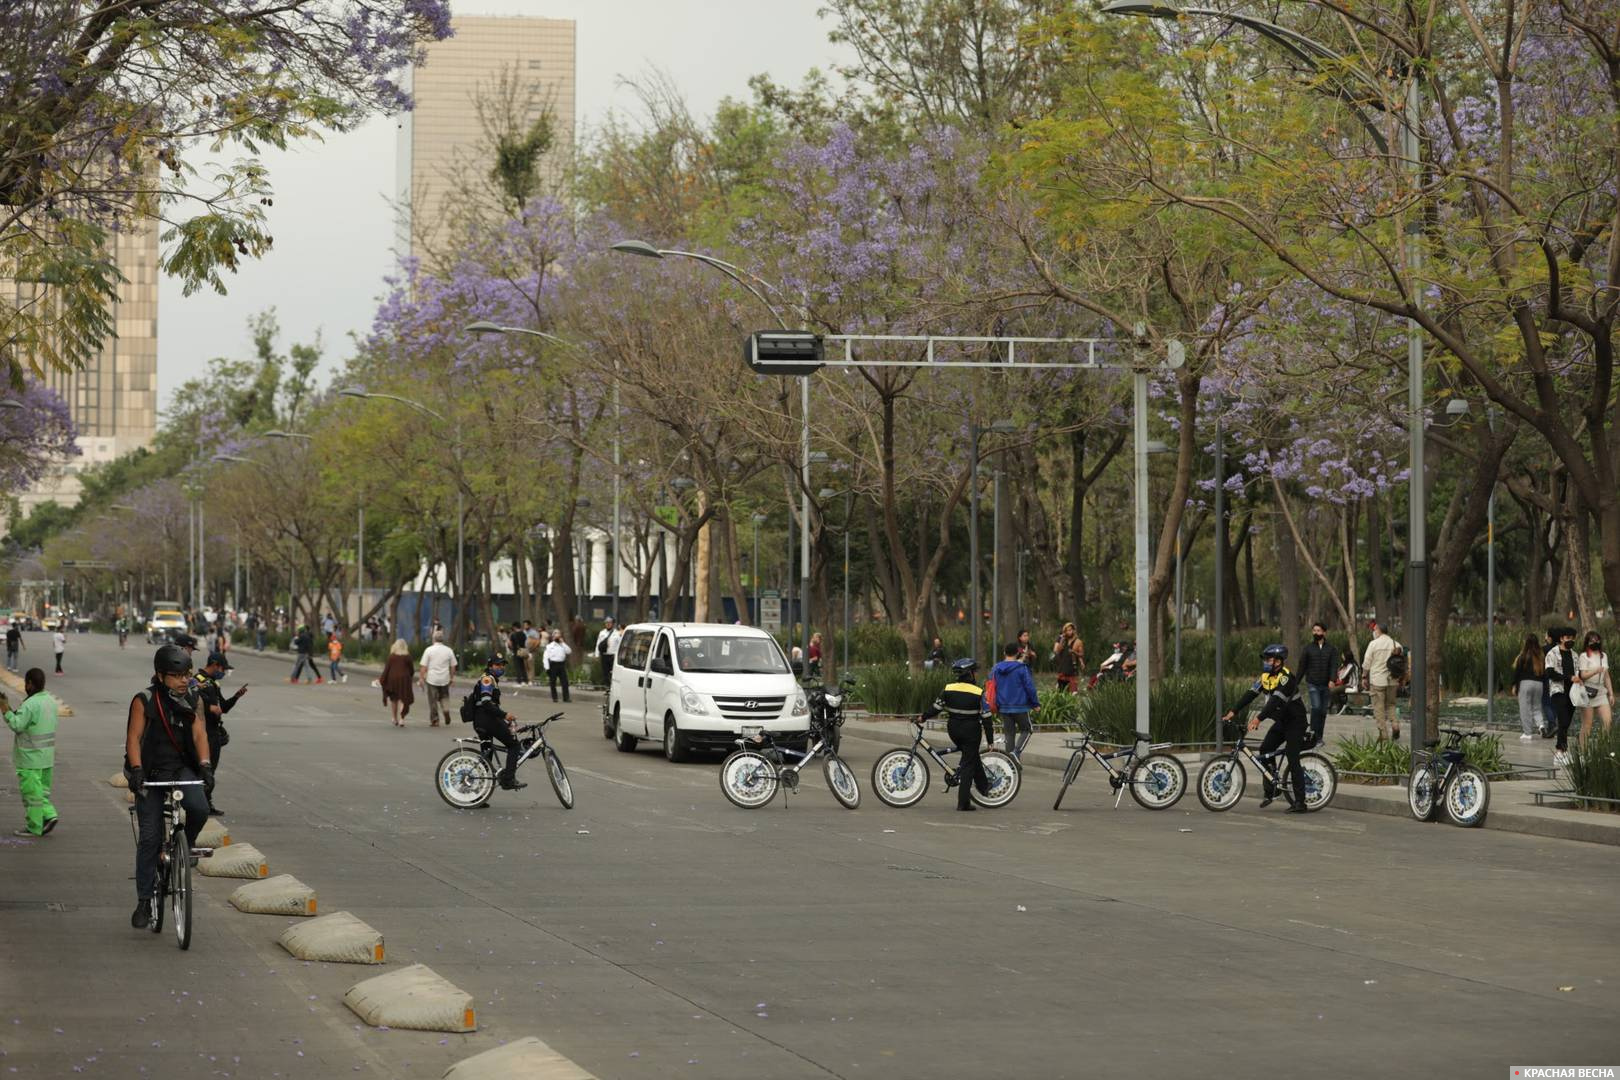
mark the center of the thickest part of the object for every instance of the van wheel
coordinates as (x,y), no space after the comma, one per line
(675,748)
(622,739)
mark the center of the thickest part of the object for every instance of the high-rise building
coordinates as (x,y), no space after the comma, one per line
(113,397)
(443,131)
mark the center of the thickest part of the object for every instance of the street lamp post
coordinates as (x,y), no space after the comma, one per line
(1000,427)
(849,507)
(756,618)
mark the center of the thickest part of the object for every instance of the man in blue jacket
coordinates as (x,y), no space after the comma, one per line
(1015,698)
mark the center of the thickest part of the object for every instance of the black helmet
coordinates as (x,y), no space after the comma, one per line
(183,640)
(172,660)
(1274,652)
(965,667)
(496,660)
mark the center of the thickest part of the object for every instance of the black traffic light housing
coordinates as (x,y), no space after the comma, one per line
(783,352)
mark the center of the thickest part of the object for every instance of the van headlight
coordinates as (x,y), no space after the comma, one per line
(693,703)
(801,705)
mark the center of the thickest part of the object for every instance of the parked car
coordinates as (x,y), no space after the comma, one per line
(696,686)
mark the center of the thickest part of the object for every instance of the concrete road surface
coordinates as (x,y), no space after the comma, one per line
(657,931)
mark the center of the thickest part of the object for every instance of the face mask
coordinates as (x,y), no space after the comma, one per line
(1320,636)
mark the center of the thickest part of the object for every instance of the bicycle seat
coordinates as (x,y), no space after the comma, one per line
(1430,744)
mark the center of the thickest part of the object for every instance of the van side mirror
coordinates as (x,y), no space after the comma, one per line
(662,665)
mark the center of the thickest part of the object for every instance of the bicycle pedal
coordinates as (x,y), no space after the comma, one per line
(202,852)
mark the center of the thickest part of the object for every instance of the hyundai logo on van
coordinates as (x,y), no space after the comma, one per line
(750,704)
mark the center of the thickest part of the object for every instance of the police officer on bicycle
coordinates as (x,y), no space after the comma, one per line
(214,707)
(165,740)
(962,702)
(1285,707)
(491,721)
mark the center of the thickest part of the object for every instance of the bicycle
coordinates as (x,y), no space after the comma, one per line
(175,860)
(1157,780)
(466,775)
(1446,778)
(1222,780)
(900,776)
(751,774)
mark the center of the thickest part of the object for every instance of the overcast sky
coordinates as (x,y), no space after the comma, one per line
(331,221)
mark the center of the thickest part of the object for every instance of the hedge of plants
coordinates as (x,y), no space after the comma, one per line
(1389,761)
(1594,769)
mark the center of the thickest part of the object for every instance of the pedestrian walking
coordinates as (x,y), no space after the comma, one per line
(1549,717)
(1592,673)
(556,657)
(1383,683)
(1318,665)
(1529,680)
(33,752)
(815,655)
(14,643)
(59,646)
(1026,651)
(437,674)
(303,644)
(1068,658)
(1560,664)
(1015,698)
(606,650)
(396,682)
(334,656)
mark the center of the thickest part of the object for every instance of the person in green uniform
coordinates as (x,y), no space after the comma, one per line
(34,752)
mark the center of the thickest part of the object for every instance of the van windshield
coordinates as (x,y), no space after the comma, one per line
(735,655)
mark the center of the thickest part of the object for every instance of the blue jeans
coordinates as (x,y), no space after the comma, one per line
(1320,697)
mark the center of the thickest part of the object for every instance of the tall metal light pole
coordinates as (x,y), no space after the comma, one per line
(487,327)
(455,450)
(975,617)
(757,617)
(849,507)
(1490,589)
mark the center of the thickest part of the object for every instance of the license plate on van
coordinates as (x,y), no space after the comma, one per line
(753,729)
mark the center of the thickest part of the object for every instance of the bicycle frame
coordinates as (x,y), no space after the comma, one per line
(490,747)
(1118,779)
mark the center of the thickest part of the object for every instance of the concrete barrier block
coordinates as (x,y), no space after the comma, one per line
(338,938)
(525,1059)
(416,998)
(118,779)
(280,895)
(237,860)
(214,834)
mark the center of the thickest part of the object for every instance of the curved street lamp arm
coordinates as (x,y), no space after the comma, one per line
(737,274)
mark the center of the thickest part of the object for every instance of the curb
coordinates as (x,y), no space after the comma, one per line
(1505,819)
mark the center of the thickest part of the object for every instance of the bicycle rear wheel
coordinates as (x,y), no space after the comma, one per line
(559,779)
(841,782)
(1004,777)
(1321,780)
(1420,793)
(1158,781)
(180,890)
(465,778)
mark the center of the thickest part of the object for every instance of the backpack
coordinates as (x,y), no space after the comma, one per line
(467,710)
(990,693)
(1397,663)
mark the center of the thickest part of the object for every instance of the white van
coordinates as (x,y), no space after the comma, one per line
(695,686)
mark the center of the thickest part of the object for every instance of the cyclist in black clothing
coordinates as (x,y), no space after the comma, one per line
(1319,666)
(215,706)
(962,702)
(1286,709)
(491,721)
(165,740)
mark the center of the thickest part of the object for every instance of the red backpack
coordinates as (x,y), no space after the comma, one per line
(990,693)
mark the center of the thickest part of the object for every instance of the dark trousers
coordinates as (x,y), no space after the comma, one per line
(1549,715)
(11,658)
(1565,712)
(558,670)
(59,663)
(1290,734)
(214,746)
(502,733)
(520,665)
(149,813)
(965,734)
(299,665)
(607,668)
(1320,696)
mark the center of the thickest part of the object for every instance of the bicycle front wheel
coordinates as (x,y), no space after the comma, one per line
(748,779)
(1071,772)
(900,778)
(1467,797)
(1158,782)
(841,782)
(180,890)
(559,779)
(1321,780)
(1004,777)
(1420,793)
(465,778)
(1221,783)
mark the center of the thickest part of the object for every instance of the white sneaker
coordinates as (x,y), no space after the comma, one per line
(1526,738)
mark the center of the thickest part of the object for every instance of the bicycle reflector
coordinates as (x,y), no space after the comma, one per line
(783,352)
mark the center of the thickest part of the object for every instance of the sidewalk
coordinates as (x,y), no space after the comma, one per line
(1512,808)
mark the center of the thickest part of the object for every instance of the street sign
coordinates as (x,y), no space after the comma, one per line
(770,610)
(783,352)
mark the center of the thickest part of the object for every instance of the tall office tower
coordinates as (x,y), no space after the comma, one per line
(113,397)
(444,133)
